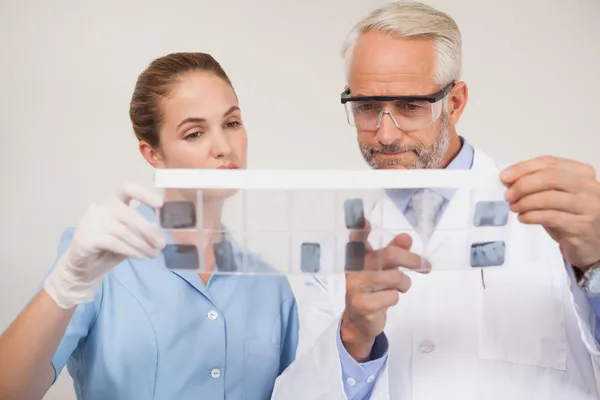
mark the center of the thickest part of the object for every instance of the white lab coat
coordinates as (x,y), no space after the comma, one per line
(527,335)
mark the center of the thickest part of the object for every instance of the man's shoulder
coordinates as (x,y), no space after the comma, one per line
(482,154)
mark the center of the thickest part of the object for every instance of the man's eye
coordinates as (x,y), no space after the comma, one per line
(411,106)
(365,107)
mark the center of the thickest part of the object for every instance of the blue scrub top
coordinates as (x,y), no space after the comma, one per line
(156,333)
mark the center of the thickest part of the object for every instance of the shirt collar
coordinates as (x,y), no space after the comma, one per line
(463,160)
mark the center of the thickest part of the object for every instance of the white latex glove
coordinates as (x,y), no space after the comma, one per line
(107,234)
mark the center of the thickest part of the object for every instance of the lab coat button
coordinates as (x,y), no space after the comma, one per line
(215,373)
(212,315)
(351,381)
(427,346)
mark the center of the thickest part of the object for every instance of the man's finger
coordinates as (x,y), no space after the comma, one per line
(403,240)
(362,235)
(391,279)
(375,261)
(549,200)
(549,219)
(393,256)
(540,181)
(518,170)
(374,302)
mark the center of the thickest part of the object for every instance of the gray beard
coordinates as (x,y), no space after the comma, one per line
(428,157)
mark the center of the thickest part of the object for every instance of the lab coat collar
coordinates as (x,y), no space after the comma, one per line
(386,215)
(463,160)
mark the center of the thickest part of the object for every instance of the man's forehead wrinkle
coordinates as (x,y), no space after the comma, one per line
(392,71)
(398,83)
(392,65)
(391,77)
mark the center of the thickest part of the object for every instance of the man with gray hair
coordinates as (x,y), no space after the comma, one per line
(525,332)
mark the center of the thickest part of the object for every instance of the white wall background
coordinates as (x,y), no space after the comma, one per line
(67,70)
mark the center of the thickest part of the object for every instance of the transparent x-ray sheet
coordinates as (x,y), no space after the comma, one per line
(332,222)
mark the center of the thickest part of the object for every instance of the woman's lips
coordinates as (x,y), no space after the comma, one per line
(228,166)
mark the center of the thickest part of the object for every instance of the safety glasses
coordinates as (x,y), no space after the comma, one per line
(407,112)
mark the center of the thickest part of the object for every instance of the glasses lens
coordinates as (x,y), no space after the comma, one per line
(407,114)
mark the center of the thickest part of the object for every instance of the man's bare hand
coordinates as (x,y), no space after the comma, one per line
(371,292)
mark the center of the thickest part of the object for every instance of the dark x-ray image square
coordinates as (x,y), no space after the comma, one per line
(491,213)
(178,215)
(488,254)
(354,214)
(181,256)
(310,258)
(224,256)
(355,256)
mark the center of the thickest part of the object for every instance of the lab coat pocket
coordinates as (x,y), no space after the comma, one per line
(522,318)
(261,368)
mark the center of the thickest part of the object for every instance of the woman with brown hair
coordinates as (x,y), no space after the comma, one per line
(128,327)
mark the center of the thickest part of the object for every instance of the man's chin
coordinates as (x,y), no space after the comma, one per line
(396,166)
(393,161)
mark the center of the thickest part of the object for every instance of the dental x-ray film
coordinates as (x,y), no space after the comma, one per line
(332,222)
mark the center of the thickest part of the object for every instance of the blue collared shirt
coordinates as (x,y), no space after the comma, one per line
(360,372)
(156,333)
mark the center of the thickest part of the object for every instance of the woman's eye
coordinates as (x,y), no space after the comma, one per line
(193,136)
(233,124)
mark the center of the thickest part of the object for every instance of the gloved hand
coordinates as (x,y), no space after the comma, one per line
(107,234)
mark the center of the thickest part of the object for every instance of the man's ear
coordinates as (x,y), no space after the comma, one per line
(151,155)
(457,102)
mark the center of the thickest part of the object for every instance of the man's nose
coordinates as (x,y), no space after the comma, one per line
(388,131)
